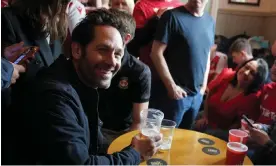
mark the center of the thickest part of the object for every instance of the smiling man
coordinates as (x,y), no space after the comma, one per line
(129,92)
(62,125)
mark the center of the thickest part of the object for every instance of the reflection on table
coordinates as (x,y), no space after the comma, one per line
(185,149)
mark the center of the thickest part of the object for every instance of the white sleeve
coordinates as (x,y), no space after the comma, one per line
(76,12)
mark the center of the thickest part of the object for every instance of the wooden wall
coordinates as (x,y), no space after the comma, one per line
(233,22)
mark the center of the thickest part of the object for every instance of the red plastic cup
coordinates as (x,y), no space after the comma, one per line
(236,135)
(244,124)
(235,153)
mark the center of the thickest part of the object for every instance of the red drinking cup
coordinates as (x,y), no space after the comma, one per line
(236,135)
(235,153)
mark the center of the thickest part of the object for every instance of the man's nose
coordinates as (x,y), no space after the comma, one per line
(111,60)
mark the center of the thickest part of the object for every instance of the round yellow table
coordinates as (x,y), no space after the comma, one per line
(185,149)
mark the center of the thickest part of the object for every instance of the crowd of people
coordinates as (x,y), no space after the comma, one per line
(99,63)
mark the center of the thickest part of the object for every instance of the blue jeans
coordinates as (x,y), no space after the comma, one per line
(183,111)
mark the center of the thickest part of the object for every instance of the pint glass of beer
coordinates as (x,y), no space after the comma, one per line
(150,122)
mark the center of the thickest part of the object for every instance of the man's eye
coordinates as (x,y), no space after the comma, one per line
(118,55)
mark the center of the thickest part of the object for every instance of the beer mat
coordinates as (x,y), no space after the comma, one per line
(206,141)
(155,161)
(211,150)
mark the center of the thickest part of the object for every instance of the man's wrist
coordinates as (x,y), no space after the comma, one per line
(169,84)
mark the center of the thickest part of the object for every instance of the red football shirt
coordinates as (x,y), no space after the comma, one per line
(145,9)
(223,114)
(268,104)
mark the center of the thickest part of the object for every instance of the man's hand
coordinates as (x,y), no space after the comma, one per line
(17,69)
(147,147)
(176,92)
(258,136)
(201,123)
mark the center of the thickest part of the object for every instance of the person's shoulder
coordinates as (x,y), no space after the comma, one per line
(269,87)
(138,66)
(53,78)
(135,68)
(46,83)
(177,10)
(208,18)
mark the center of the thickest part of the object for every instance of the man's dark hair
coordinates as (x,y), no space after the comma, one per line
(259,79)
(128,21)
(43,17)
(239,45)
(84,32)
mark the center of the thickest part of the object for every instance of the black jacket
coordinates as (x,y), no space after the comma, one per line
(60,123)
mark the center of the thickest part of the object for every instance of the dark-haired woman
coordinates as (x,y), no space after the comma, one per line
(229,100)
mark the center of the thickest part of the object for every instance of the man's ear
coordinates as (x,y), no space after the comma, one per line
(243,53)
(76,50)
(127,38)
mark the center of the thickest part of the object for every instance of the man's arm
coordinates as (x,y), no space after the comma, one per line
(157,56)
(163,34)
(174,91)
(140,94)
(65,142)
(137,108)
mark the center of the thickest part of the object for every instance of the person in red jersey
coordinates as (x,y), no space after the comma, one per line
(145,9)
(268,105)
(227,102)
(263,136)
